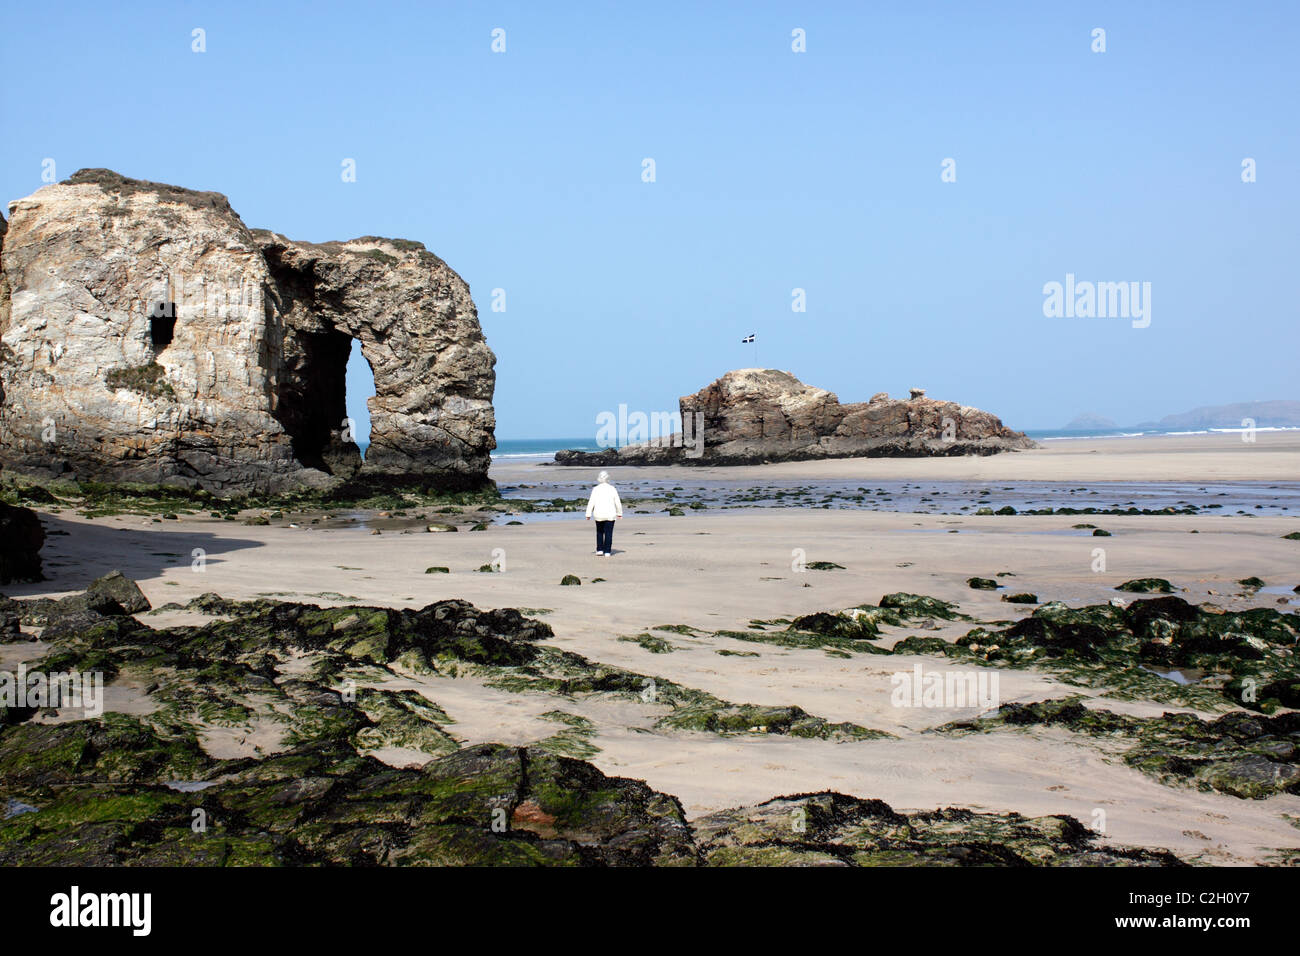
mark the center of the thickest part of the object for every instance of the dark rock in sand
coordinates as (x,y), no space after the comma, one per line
(120,590)
(1146,585)
(21,540)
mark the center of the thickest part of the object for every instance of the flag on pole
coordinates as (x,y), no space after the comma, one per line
(747,338)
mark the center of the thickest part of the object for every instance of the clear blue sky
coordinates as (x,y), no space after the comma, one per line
(775,170)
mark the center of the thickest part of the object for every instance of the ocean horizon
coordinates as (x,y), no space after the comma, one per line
(545,448)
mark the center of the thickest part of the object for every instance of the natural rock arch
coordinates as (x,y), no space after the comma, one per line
(409,311)
(244,388)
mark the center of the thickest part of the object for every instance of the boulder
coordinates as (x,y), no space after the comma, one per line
(117,588)
(21,538)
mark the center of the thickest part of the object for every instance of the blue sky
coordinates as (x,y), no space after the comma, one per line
(775,170)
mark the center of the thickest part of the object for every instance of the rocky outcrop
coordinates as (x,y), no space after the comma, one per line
(757,415)
(117,788)
(147,335)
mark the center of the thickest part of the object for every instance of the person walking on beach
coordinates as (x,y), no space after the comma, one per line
(604,505)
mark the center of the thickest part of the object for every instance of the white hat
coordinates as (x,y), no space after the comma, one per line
(602,477)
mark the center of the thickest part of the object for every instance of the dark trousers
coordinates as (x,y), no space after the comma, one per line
(605,536)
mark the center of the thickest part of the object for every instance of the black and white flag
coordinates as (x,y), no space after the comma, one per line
(748,338)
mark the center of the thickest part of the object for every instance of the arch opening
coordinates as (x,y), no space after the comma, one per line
(360,384)
(312,403)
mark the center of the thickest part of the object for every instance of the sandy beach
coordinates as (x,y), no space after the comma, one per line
(717,572)
(709,438)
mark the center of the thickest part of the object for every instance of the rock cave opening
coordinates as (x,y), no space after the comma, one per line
(162,325)
(312,404)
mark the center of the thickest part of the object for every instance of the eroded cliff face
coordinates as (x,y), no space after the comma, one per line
(149,336)
(755,415)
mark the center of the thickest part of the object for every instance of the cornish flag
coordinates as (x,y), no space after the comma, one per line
(748,338)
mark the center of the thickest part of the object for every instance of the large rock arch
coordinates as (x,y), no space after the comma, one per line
(419,331)
(146,334)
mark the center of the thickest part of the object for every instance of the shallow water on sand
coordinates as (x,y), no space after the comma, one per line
(940,497)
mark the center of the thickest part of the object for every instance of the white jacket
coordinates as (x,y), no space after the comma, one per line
(604,504)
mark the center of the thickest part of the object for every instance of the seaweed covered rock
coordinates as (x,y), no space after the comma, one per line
(453,629)
(112,594)
(846,624)
(1024,597)
(920,606)
(11,617)
(114,749)
(1146,585)
(1250,653)
(831,829)
(321,803)
(121,590)
(1060,630)
(116,792)
(1243,755)
(838,632)
(287,669)
(292,671)
(718,718)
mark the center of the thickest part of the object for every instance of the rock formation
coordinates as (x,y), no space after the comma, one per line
(146,334)
(21,539)
(755,415)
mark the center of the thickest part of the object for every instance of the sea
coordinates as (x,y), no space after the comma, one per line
(1060,434)
(540,449)
(918,497)
(544,449)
